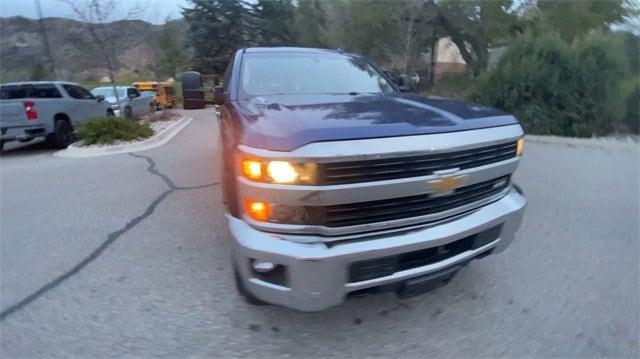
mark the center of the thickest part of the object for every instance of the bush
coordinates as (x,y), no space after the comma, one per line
(557,89)
(107,130)
(631,120)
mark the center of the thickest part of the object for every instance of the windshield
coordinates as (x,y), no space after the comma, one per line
(309,73)
(107,92)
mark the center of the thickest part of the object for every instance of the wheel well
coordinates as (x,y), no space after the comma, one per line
(61,117)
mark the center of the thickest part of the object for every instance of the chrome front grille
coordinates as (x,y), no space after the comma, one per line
(404,207)
(412,166)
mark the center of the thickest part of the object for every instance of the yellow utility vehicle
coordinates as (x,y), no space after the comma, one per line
(164,92)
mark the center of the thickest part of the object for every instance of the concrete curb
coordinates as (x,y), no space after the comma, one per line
(159,139)
(602,142)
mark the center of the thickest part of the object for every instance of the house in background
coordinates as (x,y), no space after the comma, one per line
(449,60)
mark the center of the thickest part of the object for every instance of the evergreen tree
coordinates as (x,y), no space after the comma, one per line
(216,29)
(272,23)
(310,23)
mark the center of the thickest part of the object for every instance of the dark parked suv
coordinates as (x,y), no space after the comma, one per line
(337,183)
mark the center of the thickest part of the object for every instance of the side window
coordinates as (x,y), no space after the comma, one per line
(132,92)
(15,92)
(45,91)
(78,92)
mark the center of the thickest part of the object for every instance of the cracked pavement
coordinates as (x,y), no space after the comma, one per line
(128,255)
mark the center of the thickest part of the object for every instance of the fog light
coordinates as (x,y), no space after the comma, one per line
(262,266)
(259,211)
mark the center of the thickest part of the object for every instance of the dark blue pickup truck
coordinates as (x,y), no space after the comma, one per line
(336,183)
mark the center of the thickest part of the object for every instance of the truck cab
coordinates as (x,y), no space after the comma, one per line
(337,183)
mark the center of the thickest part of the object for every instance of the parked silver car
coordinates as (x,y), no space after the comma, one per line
(46,108)
(126,101)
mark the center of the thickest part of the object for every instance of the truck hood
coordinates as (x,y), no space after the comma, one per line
(286,122)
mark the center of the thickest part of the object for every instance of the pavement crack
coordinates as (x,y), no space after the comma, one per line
(153,170)
(111,238)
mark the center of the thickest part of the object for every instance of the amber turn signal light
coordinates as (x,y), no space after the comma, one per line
(519,147)
(259,211)
(252,169)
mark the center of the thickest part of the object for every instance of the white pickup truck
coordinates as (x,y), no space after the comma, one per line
(50,109)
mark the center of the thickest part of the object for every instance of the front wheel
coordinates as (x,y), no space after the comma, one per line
(127,112)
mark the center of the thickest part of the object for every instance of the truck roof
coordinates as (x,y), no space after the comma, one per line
(276,49)
(38,83)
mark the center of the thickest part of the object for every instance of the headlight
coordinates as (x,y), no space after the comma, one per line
(282,172)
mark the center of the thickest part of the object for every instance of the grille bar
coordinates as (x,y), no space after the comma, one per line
(412,166)
(406,207)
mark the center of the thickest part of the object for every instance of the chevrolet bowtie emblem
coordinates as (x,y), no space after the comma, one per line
(444,185)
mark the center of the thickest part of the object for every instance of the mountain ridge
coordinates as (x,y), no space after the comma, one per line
(76,56)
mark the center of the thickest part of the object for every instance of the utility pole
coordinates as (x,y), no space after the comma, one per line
(51,66)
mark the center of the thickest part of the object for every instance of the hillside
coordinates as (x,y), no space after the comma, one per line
(75,55)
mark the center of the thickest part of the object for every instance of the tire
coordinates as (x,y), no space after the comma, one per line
(152,109)
(110,113)
(248,297)
(1,145)
(127,112)
(63,135)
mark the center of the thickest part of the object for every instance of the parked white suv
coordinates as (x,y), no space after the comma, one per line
(126,101)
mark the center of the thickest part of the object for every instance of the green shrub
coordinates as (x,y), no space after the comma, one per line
(631,120)
(107,130)
(557,89)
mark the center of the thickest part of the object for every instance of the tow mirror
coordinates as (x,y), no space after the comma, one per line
(218,95)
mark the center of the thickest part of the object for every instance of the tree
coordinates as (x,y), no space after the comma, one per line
(574,19)
(271,22)
(474,26)
(309,23)
(170,58)
(95,14)
(216,29)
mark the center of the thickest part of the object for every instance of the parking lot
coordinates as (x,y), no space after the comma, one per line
(128,255)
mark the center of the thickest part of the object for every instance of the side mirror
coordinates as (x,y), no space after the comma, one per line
(218,95)
(99,98)
(402,83)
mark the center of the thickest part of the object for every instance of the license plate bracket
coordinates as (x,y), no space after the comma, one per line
(420,285)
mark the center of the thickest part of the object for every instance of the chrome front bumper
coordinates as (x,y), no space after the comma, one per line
(317,272)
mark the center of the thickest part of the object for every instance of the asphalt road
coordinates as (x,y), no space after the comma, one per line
(128,255)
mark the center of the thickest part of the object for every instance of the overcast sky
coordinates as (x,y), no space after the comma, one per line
(156,10)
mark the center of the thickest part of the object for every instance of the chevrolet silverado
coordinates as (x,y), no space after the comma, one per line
(337,184)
